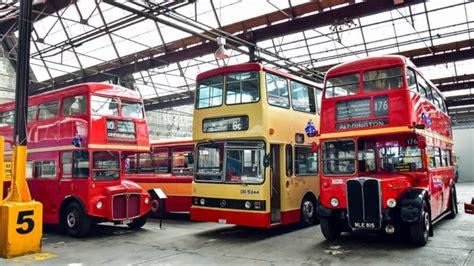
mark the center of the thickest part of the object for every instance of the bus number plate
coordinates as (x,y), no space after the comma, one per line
(249,192)
(364,225)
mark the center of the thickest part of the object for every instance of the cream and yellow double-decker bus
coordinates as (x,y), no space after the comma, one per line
(254,164)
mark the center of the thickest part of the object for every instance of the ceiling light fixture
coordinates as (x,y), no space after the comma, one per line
(220,53)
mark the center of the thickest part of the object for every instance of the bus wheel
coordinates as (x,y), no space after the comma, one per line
(420,230)
(76,222)
(453,203)
(308,211)
(330,228)
(156,206)
(138,223)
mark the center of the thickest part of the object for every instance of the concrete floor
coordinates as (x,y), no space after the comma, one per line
(183,242)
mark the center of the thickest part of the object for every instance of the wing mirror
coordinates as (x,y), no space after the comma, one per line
(266,160)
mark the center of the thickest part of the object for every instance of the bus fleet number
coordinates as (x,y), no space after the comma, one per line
(249,192)
(23,219)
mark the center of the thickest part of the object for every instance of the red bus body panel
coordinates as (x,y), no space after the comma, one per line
(176,187)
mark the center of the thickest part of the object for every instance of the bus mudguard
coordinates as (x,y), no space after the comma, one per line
(410,204)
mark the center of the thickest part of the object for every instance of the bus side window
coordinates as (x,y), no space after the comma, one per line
(319,96)
(74,105)
(423,87)
(6,118)
(277,91)
(29,169)
(45,169)
(306,162)
(411,80)
(289,160)
(81,165)
(48,110)
(161,160)
(32,113)
(66,165)
(302,97)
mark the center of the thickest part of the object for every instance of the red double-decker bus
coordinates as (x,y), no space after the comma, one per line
(386,146)
(168,167)
(77,138)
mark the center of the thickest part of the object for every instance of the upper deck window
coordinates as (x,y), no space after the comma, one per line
(411,80)
(302,98)
(104,106)
(48,110)
(209,92)
(342,85)
(277,90)
(74,105)
(423,88)
(132,109)
(32,112)
(242,87)
(7,118)
(383,79)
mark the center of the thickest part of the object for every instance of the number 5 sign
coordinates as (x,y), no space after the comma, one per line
(21,228)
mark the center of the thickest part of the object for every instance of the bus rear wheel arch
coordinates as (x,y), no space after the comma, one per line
(74,220)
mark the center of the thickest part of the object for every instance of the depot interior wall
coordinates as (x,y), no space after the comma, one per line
(464,148)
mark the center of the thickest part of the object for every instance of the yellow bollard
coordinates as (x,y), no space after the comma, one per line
(21,219)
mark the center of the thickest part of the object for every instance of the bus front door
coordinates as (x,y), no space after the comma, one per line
(275,203)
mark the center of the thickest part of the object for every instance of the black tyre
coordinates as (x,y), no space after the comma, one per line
(420,230)
(138,223)
(156,210)
(330,228)
(453,203)
(308,211)
(75,221)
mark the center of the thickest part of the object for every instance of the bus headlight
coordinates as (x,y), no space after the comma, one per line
(203,201)
(391,203)
(334,202)
(147,200)
(248,204)
(98,205)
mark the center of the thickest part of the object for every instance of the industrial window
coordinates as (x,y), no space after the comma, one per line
(74,105)
(32,113)
(48,110)
(289,160)
(209,92)
(242,87)
(45,169)
(302,98)
(277,91)
(306,162)
(66,165)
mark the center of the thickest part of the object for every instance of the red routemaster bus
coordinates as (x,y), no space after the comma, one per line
(77,138)
(386,146)
(167,167)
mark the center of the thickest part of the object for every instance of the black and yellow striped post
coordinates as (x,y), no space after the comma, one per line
(21,224)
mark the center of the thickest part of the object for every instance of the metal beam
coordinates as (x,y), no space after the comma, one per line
(456,86)
(296,25)
(459,101)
